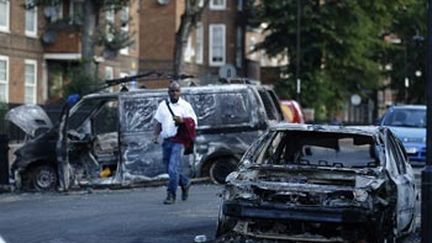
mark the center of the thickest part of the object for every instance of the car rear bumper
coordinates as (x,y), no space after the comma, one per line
(416,153)
(301,213)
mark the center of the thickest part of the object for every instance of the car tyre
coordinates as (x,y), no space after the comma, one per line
(44,178)
(220,169)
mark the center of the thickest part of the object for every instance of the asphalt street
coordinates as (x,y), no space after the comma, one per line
(128,215)
(132,215)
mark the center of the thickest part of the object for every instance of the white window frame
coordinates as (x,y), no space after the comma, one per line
(31,33)
(72,8)
(110,71)
(199,43)
(5,28)
(214,6)
(189,51)
(125,51)
(211,29)
(34,86)
(110,19)
(5,82)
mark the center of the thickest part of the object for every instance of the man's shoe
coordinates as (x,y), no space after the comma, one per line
(185,191)
(170,199)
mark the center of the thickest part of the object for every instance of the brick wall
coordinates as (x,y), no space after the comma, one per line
(157,38)
(157,29)
(18,47)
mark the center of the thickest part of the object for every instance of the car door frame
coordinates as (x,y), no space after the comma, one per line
(403,182)
(64,169)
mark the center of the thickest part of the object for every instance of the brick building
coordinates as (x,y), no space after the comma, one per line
(218,39)
(40,46)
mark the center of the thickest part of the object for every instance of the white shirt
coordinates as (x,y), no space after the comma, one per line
(182,108)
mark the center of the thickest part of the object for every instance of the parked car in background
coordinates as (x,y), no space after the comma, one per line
(408,122)
(320,184)
(105,138)
(292,111)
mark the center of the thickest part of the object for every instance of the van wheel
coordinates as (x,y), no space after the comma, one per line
(220,169)
(44,178)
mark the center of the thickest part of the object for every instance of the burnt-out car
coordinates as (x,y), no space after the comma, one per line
(105,139)
(320,184)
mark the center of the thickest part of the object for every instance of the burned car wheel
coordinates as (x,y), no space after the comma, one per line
(44,178)
(220,169)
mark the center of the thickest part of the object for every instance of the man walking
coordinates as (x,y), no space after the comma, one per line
(170,115)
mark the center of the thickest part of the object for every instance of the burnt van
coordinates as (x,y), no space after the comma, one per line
(105,138)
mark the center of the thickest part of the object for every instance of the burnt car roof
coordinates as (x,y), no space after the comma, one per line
(218,87)
(360,130)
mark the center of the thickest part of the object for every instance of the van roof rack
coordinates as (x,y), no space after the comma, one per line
(148,76)
(239,80)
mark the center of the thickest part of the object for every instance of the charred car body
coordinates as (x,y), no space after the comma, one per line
(105,138)
(320,184)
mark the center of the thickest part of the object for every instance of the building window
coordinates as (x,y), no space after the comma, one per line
(217,4)
(199,44)
(76,11)
(110,19)
(217,45)
(124,17)
(239,47)
(31,20)
(252,45)
(189,51)
(4,15)
(30,81)
(109,74)
(4,79)
(240,5)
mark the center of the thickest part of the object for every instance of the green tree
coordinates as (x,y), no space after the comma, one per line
(189,19)
(406,57)
(341,43)
(93,31)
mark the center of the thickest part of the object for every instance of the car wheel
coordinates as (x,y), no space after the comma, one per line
(44,178)
(220,169)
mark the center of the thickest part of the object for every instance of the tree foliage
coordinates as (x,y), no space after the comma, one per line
(188,21)
(408,55)
(94,34)
(343,48)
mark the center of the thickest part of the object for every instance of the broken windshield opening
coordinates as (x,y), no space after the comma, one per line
(320,149)
(83,111)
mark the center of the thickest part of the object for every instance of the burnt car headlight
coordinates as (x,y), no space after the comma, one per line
(360,195)
(245,195)
(234,192)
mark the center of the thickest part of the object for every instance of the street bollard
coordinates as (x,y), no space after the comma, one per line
(4,159)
